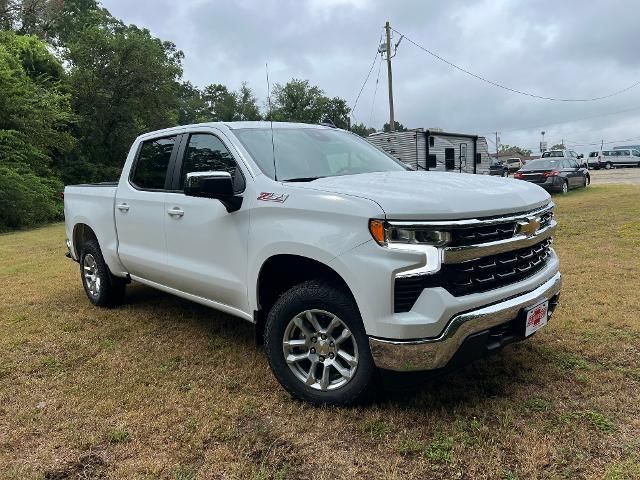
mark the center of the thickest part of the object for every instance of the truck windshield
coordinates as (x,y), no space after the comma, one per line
(305,154)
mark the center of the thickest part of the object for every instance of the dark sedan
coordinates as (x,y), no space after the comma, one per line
(555,174)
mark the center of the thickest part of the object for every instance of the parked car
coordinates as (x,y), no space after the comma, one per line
(344,260)
(514,164)
(614,158)
(563,153)
(498,168)
(555,174)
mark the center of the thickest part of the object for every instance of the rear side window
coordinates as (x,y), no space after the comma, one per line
(207,153)
(151,167)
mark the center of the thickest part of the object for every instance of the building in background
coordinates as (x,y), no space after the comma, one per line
(435,149)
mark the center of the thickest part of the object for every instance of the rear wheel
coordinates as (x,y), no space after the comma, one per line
(587,180)
(317,346)
(505,173)
(608,166)
(102,288)
(565,187)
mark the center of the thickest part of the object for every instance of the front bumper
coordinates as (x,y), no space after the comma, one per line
(434,353)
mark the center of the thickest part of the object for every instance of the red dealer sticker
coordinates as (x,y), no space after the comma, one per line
(536,318)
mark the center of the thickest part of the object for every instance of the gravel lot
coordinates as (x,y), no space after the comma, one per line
(629,176)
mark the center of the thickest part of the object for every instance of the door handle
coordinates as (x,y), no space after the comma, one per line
(175,212)
(123,207)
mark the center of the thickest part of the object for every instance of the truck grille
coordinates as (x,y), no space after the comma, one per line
(464,236)
(475,276)
(494,271)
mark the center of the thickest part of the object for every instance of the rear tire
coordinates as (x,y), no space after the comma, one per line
(608,166)
(317,347)
(505,173)
(102,288)
(565,187)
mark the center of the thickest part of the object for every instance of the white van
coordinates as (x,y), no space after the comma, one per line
(614,158)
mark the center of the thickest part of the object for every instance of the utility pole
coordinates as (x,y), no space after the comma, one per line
(602,144)
(392,123)
(497,149)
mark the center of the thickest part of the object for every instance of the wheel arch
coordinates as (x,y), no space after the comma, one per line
(279,272)
(82,233)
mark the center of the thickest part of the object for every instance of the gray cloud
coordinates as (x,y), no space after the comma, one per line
(562,49)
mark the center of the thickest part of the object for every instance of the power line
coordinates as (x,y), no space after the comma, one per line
(355,103)
(375,91)
(513,90)
(572,121)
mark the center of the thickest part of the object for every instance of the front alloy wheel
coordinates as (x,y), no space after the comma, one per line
(320,350)
(317,346)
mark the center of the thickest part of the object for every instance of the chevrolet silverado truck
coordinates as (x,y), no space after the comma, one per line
(345,260)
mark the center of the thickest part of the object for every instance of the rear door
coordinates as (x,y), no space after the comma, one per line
(206,245)
(139,209)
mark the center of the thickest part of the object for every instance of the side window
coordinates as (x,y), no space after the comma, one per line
(636,153)
(151,165)
(432,141)
(573,164)
(565,164)
(207,153)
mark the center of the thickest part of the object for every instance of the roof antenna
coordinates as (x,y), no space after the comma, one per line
(273,146)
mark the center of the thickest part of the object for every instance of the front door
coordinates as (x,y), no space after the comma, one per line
(206,245)
(139,210)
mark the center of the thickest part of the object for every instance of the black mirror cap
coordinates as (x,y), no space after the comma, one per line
(219,187)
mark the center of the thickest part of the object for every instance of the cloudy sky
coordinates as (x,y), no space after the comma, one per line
(562,49)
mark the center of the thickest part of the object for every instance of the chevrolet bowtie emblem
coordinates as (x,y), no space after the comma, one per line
(529,226)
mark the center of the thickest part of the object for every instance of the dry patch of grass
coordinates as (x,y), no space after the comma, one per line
(162,388)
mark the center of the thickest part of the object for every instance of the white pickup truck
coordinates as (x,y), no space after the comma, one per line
(344,259)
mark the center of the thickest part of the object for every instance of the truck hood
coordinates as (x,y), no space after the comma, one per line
(414,195)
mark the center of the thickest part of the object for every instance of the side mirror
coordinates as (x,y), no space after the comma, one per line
(218,185)
(580,156)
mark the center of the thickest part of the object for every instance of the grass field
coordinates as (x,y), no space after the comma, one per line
(162,388)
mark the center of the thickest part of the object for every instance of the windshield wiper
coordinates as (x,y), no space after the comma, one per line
(301,179)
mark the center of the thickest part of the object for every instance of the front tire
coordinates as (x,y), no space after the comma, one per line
(317,346)
(102,288)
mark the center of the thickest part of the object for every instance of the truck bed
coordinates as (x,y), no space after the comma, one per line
(92,205)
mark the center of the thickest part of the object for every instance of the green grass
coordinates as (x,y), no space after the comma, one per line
(163,388)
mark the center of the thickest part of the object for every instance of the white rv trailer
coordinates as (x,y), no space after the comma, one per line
(436,150)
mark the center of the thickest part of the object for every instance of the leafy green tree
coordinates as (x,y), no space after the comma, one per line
(557,146)
(398,127)
(124,82)
(246,104)
(514,150)
(299,101)
(192,107)
(35,115)
(362,130)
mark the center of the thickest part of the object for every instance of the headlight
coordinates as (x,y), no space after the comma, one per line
(386,234)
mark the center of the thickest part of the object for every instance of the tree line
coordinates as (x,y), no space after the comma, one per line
(77,86)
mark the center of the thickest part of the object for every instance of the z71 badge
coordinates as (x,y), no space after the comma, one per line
(273,197)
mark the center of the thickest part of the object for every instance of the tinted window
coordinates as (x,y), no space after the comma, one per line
(636,153)
(153,160)
(207,153)
(553,153)
(542,165)
(573,164)
(593,154)
(624,153)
